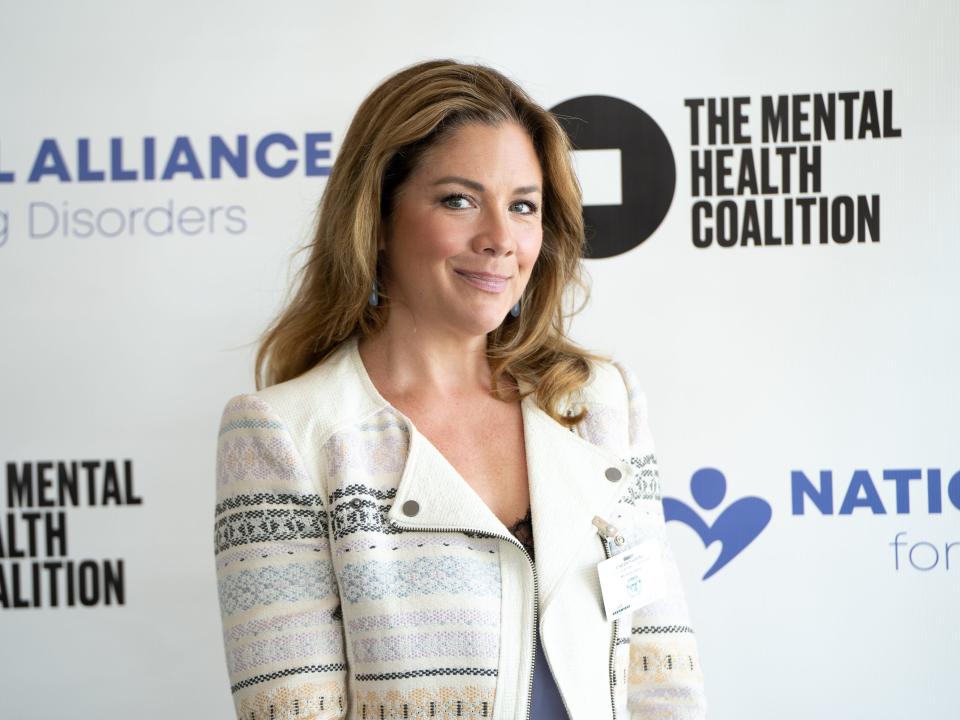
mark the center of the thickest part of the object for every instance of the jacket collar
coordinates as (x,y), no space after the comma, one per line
(570,479)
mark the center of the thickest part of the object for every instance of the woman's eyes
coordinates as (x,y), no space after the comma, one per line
(456,202)
(462,202)
(531,207)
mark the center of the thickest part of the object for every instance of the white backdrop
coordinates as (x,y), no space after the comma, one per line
(762,362)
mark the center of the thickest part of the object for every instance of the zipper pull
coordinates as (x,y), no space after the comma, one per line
(607,530)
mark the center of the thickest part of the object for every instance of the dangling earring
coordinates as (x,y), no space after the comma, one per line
(515,310)
(375,294)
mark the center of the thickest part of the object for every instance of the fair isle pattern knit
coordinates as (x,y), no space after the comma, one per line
(331,611)
(660,663)
(278,593)
(284,568)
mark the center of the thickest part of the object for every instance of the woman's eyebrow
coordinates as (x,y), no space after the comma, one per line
(474,185)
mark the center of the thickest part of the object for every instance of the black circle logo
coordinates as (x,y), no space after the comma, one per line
(648,173)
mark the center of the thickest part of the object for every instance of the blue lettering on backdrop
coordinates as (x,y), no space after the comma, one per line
(315,153)
(862,491)
(933,553)
(46,220)
(953,490)
(934,501)
(183,159)
(189,163)
(800,485)
(261,156)
(84,173)
(149,158)
(902,479)
(49,161)
(117,171)
(220,151)
(871,498)
(5,175)
(744,519)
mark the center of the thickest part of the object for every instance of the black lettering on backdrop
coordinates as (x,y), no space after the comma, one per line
(787,166)
(35,570)
(70,483)
(62,584)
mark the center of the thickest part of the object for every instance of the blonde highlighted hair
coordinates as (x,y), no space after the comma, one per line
(402,118)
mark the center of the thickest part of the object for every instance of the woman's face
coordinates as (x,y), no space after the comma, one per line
(465,230)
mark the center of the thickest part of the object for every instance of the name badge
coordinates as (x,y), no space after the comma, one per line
(632,579)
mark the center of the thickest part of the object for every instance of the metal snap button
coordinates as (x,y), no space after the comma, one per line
(613,474)
(355,502)
(411,508)
(619,540)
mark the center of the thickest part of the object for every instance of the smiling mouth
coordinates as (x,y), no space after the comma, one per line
(484,281)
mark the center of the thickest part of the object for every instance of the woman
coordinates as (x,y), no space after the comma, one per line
(412,513)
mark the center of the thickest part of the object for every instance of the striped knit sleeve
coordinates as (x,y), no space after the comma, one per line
(279,602)
(664,676)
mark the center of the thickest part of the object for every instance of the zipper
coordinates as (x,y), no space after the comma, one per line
(536,594)
(606,531)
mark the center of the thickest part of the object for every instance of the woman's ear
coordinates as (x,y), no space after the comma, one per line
(382,237)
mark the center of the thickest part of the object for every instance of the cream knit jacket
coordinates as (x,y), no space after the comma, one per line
(360,576)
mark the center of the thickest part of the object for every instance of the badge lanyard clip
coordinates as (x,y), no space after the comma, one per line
(608,530)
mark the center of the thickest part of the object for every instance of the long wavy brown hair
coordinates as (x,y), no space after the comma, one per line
(393,127)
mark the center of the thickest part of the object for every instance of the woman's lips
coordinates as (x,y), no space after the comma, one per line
(485,281)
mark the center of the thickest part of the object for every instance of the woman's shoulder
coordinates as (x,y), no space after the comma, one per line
(612,383)
(315,402)
(614,405)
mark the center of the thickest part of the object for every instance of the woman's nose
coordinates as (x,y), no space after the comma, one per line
(494,236)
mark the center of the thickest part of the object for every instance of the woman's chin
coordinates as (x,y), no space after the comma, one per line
(482,324)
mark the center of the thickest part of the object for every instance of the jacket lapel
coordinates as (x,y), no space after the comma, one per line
(571,480)
(431,494)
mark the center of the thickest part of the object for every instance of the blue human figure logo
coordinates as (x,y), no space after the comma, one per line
(735,528)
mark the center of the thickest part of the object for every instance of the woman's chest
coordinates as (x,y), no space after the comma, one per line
(485,445)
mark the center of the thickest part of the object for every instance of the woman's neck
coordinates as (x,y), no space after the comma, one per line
(422,363)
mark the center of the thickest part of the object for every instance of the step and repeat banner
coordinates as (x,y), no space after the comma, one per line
(772,193)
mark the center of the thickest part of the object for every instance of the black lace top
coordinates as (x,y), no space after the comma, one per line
(522,530)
